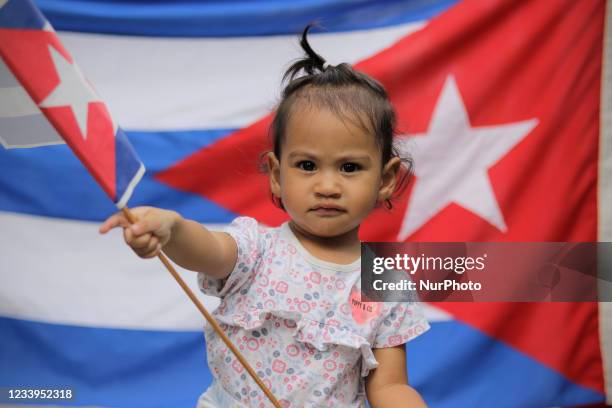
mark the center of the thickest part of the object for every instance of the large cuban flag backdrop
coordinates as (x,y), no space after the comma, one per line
(505,106)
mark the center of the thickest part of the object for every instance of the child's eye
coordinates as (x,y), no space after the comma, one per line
(350,167)
(306,165)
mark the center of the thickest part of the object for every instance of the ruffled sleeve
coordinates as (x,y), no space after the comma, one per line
(402,322)
(247,234)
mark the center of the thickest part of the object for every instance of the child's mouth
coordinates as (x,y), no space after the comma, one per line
(328,211)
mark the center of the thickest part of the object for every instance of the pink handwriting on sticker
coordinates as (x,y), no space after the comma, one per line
(362,310)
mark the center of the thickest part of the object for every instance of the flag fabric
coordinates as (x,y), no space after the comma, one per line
(49,86)
(504,106)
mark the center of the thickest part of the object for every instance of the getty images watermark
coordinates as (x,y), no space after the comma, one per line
(411,264)
(487,272)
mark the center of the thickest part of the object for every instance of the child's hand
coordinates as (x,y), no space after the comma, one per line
(149,234)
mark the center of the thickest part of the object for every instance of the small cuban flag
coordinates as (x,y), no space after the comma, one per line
(49,101)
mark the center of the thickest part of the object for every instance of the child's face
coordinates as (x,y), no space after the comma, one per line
(330,174)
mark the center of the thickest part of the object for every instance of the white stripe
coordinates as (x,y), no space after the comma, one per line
(186,83)
(605,193)
(64,272)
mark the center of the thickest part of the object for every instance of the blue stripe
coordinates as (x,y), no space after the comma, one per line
(107,367)
(139,368)
(455,365)
(192,18)
(21,14)
(50,181)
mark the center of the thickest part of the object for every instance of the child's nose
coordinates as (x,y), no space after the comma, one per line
(328,186)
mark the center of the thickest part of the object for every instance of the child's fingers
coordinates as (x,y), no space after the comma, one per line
(140,236)
(153,253)
(149,249)
(140,242)
(119,220)
(146,247)
(115,220)
(140,212)
(145,226)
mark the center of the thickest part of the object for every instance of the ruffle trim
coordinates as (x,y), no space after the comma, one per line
(317,334)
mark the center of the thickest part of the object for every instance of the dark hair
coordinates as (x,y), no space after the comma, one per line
(349,94)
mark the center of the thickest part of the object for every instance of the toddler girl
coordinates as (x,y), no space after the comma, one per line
(290,296)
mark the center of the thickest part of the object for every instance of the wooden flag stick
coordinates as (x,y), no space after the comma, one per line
(211,320)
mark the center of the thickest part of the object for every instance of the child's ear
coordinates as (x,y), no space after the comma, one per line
(388,180)
(274,174)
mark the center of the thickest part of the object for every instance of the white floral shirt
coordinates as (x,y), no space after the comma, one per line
(299,322)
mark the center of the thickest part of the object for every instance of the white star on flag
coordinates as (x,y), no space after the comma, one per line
(73,90)
(452,161)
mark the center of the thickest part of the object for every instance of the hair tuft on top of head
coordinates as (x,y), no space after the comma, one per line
(311,61)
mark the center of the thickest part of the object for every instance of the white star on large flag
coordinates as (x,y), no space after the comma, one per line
(73,90)
(452,161)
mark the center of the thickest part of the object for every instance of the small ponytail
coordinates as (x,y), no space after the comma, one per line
(310,64)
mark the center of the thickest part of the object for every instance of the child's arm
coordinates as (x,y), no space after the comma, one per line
(186,242)
(387,385)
